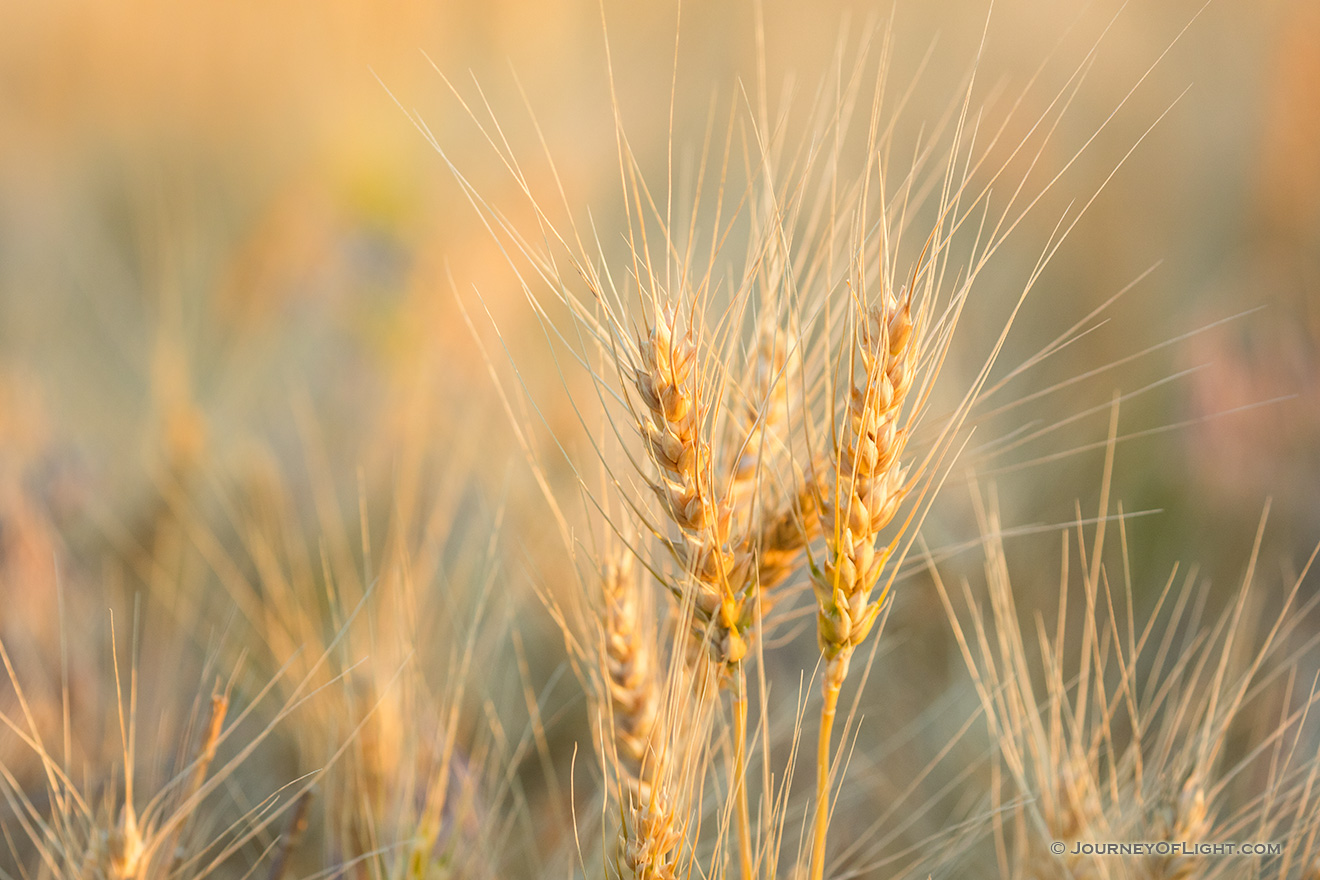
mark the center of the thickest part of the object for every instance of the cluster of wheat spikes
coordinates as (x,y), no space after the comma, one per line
(776,409)
(732,547)
(722,529)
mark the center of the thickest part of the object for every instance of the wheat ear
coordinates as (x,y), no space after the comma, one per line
(774,535)
(721,568)
(866,489)
(666,380)
(649,839)
(630,674)
(1184,817)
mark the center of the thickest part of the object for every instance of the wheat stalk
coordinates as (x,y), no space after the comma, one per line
(866,485)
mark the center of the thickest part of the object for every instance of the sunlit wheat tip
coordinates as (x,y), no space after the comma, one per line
(867,478)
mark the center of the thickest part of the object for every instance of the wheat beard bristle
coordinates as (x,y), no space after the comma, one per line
(764,417)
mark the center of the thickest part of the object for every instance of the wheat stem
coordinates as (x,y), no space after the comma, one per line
(740,775)
(835,672)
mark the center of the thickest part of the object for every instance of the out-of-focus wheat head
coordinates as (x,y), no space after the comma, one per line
(123,845)
(652,723)
(95,821)
(379,655)
(1132,732)
(630,672)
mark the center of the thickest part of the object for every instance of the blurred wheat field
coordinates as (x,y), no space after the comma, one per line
(574,439)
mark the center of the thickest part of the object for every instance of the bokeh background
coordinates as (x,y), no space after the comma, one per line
(221,232)
(207,205)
